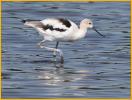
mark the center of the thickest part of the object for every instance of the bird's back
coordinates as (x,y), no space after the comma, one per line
(58,29)
(51,29)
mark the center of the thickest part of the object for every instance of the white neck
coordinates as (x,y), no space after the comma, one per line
(81,33)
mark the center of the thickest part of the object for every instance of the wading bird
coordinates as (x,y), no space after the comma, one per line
(60,30)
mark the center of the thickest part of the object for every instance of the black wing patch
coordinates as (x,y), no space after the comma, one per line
(65,22)
(50,27)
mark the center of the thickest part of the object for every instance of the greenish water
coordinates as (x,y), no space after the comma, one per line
(94,67)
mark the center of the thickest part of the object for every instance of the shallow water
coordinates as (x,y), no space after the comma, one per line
(94,66)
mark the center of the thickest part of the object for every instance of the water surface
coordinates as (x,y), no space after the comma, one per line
(94,67)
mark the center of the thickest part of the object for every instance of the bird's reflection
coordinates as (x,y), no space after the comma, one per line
(58,65)
(60,75)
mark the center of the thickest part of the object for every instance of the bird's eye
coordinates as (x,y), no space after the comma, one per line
(90,23)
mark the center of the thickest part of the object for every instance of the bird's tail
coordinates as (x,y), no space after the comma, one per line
(23,21)
(29,20)
(32,23)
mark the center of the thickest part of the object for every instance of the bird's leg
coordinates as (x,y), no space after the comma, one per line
(55,50)
(61,55)
(39,44)
(54,53)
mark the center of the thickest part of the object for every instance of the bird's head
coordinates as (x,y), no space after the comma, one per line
(87,23)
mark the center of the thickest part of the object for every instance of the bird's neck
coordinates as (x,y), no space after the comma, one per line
(81,33)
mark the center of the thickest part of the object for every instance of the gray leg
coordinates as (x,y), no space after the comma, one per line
(39,44)
(55,50)
(54,53)
(57,44)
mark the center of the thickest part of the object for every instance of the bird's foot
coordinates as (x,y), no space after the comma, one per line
(54,53)
(55,60)
(61,55)
(41,46)
(62,60)
(38,44)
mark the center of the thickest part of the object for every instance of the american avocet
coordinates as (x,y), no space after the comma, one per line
(59,29)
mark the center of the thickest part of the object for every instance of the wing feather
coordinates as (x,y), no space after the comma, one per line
(55,23)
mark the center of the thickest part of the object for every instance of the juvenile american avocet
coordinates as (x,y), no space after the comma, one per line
(59,29)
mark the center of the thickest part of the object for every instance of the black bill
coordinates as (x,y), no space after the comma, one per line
(98,32)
